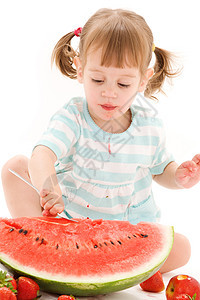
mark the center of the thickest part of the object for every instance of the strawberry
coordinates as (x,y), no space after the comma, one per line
(153,284)
(65,297)
(13,282)
(7,294)
(7,281)
(28,289)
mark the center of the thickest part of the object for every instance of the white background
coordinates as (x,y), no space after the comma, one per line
(31,91)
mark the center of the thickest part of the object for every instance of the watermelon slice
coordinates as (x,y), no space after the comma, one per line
(85,258)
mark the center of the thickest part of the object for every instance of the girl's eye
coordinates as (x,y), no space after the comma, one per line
(97,81)
(123,85)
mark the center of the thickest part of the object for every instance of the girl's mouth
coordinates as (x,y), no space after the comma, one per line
(108,107)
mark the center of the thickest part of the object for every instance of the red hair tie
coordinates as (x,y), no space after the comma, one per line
(77,32)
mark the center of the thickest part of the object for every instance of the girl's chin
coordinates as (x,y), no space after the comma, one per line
(108,117)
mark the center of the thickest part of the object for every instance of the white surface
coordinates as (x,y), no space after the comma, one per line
(31,91)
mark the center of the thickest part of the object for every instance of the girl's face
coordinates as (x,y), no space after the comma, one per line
(109,91)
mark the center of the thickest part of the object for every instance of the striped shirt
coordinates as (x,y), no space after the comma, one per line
(102,174)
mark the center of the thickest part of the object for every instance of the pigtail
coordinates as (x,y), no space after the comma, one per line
(63,56)
(163,69)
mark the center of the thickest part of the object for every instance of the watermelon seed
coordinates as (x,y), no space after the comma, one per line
(129,237)
(105,244)
(77,246)
(119,242)
(25,232)
(144,235)
(95,246)
(43,241)
(100,245)
(37,239)
(134,235)
(11,229)
(21,230)
(112,243)
(57,247)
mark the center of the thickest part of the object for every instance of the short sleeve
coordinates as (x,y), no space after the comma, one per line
(62,132)
(161,157)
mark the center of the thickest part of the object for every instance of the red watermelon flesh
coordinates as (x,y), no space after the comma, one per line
(84,258)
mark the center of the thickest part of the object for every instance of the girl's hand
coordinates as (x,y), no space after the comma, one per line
(52,202)
(188,173)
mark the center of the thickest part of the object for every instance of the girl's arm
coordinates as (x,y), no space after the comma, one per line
(41,166)
(167,178)
(43,176)
(178,177)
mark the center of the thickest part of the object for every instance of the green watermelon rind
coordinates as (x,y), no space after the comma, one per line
(87,289)
(91,288)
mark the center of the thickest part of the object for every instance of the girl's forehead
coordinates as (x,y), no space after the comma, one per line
(93,64)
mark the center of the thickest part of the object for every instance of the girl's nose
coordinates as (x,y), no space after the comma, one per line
(109,93)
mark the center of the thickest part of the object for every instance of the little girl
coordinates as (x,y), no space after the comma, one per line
(100,153)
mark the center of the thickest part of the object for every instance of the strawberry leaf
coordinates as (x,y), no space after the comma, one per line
(5,280)
(193,297)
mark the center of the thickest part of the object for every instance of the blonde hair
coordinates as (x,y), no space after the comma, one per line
(125,39)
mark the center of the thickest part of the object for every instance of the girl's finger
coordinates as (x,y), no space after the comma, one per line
(44,193)
(57,208)
(43,201)
(46,213)
(196,159)
(49,204)
(48,198)
(190,165)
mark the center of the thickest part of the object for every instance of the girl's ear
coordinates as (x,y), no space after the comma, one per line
(143,83)
(78,65)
